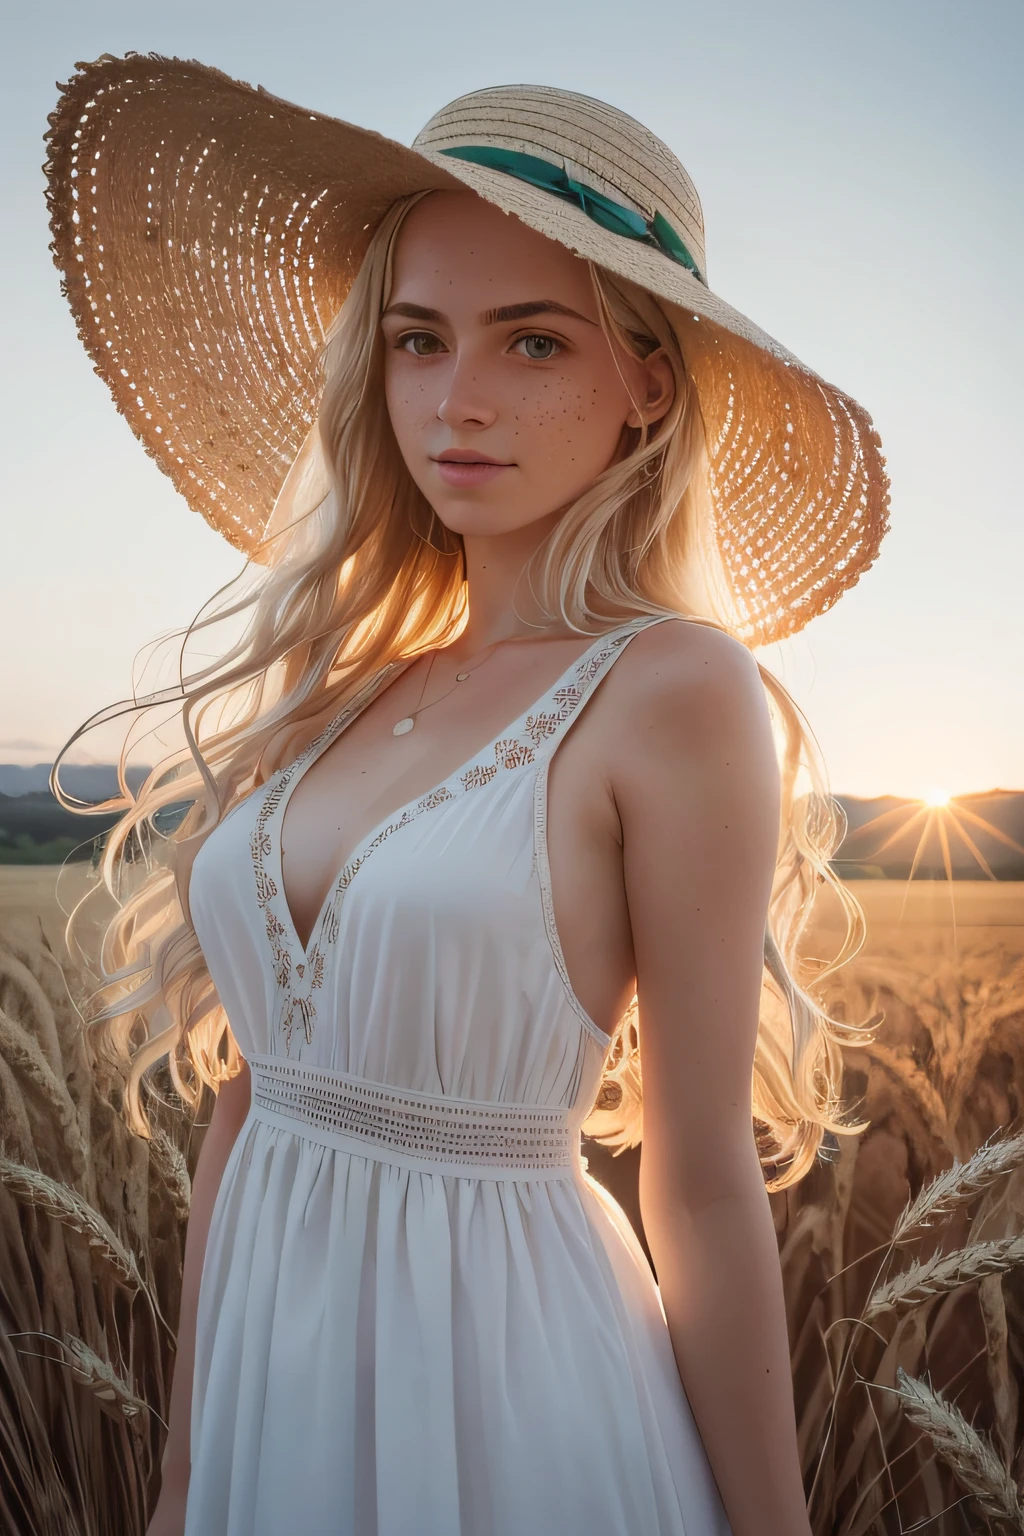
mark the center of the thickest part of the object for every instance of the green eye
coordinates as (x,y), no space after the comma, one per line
(539,348)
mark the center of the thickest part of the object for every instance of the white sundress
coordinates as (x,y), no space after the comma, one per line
(419,1315)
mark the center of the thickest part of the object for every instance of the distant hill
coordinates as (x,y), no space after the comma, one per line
(881,841)
(36,829)
(884,833)
(87,781)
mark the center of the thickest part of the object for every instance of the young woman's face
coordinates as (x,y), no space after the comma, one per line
(503,391)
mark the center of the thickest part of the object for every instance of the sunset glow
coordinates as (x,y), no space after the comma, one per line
(938,814)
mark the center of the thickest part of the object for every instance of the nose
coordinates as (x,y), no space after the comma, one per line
(465,403)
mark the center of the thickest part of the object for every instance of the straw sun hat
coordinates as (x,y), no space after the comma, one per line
(207,233)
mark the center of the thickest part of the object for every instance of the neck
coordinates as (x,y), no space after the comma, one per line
(501,605)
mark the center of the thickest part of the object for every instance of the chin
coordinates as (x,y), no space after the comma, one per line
(472,518)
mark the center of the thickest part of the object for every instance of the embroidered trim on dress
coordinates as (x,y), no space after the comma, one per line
(261,846)
(508,753)
(266,886)
(451,1132)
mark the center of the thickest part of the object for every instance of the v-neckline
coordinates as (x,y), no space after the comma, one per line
(437,793)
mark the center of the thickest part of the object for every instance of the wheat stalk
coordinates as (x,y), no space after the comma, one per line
(99,1377)
(944,1272)
(94,1373)
(173,1169)
(969,1455)
(958,1184)
(21,1051)
(65,1205)
(16,975)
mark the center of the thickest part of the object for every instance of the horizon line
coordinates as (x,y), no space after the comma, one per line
(889,794)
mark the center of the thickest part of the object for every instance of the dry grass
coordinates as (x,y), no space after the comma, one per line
(958,1184)
(943,1272)
(97,1376)
(901,1254)
(971,1456)
(55,1199)
(92,1227)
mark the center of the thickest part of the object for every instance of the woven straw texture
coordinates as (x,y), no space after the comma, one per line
(207,233)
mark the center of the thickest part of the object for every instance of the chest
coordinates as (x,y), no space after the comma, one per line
(348,788)
(445,878)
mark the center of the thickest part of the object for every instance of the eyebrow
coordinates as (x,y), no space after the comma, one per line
(501,316)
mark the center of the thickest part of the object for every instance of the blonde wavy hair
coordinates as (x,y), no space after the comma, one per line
(349,581)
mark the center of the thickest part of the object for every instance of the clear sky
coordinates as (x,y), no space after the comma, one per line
(859,168)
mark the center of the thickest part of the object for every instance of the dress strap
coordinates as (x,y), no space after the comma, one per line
(567,700)
(556,711)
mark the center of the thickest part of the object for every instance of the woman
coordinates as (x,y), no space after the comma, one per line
(492,764)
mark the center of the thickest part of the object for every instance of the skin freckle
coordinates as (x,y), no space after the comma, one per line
(557,427)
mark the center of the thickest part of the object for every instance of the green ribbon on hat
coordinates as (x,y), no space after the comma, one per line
(610,215)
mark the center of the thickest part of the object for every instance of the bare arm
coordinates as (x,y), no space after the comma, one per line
(229,1112)
(697,790)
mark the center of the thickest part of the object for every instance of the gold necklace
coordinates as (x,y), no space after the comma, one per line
(405,725)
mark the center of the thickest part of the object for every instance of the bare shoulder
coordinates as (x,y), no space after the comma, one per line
(688,683)
(694,764)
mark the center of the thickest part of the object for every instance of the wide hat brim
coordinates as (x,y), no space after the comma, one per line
(207,233)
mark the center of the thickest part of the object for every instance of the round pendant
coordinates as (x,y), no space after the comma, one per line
(460,677)
(403,727)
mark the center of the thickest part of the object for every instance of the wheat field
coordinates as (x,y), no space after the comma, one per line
(902,1252)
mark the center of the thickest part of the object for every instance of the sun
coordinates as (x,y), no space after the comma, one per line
(937,812)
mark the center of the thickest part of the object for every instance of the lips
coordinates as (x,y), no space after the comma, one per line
(467,467)
(474,472)
(468,456)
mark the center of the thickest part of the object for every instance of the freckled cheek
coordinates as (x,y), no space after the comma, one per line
(566,410)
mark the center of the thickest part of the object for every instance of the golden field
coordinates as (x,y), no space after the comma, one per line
(902,1250)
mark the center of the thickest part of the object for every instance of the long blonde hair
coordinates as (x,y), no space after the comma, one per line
(350,580)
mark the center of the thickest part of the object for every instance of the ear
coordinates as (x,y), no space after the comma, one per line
(658,387)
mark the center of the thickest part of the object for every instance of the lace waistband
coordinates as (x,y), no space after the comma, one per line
(461,1137)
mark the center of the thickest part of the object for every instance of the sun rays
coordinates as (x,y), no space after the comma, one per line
(936,816)
(938,813)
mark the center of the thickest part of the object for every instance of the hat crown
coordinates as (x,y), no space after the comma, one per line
(597,144)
